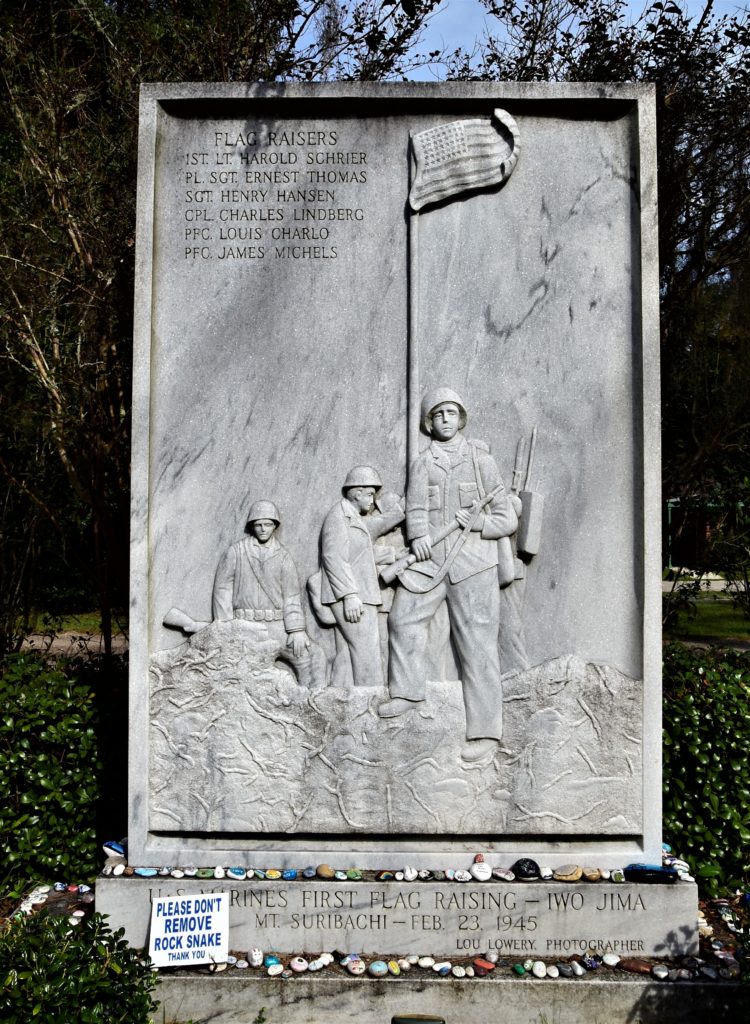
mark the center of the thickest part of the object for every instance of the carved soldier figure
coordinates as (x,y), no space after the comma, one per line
(448,483)
(349,577)
(257,581)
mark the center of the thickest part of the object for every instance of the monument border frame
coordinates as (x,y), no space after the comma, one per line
(604,101)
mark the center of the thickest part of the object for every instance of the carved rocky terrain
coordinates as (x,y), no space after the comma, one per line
(238,746)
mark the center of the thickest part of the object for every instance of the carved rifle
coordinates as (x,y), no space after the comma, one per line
(389,573)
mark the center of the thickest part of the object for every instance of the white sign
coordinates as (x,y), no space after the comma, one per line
(189,930)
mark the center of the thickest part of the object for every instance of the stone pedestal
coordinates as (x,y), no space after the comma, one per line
(516,919)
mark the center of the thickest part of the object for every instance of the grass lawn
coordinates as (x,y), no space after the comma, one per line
(85,623)
(716,617)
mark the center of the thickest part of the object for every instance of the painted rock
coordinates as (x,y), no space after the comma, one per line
(356,967)
(462,876)
(539,969)
(384,876)
(660,971)
(340,876)
(425,961)
(81,888)
(286,974)
(481,871)
(217,968)
(242,965)
(269,960)
(445,970)
(553,971)
(273,874)
(480,972)
(237,873)
(410,873)
(113,849)
(325,871)
(256,872)
(528,964)
(205,873)
(469,971)
(441,965)
(309,872)
(606,874)
(393,968)
(519,969)
(219,871)
(709,972)
(568,873)
(450,874)
(298,964)
(590,962)
(78,913)
(458,971)
(354,875)
(128,872)
(146,872)
(274,970)
(75,920)
(617,875)
(565,970)
(348,957)
(425,875)
(231,960)
(578,969)
(107,870)
(503,874)
(546,873)
(289,874)
(255,956)
(413,959)
(439,876)
(405,964)
(88,897)
(611,959)
(326,959)
(525,869)
(117,870)
(399,876)
(491,956)
(486,965)
(378,968)
(190,871)
(315,965)
(634,966)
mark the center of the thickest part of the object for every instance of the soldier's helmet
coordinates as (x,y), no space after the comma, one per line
(437,397)
(362,476)
(263,510)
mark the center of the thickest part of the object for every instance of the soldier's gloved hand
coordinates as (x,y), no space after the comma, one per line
(299,642)
(352,608)
(421,548)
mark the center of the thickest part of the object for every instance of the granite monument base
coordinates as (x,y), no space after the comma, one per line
(234,998)
(521,919)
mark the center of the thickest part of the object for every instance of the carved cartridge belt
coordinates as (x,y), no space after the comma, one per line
(259,614)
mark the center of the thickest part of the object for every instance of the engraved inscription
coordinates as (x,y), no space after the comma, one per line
(265,194)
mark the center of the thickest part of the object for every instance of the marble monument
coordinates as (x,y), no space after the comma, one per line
(395,532)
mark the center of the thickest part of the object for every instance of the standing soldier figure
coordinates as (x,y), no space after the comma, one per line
(257,581)
(446,483)
(349,577)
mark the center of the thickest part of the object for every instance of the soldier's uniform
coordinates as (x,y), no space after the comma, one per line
(258,582)
(446,477)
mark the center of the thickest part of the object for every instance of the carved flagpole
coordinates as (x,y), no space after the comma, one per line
(413,388)
(445,161)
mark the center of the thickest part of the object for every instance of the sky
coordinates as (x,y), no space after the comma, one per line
(461,22)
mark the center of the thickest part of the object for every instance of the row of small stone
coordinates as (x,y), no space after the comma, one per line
(524,869)
(692,968)
(37,898)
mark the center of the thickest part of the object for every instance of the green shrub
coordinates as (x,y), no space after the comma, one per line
(54,972)
(49,773)
(706,786)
